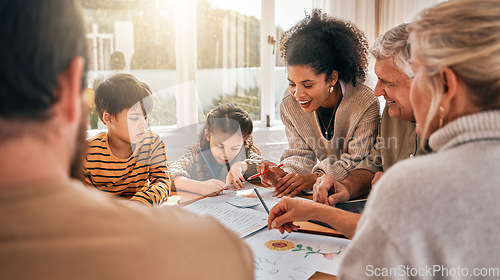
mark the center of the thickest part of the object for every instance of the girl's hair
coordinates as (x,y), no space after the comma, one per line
(463,35)
(394,45)
(326,44)
(228,118)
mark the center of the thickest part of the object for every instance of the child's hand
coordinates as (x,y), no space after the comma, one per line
(212,187)
(235,175)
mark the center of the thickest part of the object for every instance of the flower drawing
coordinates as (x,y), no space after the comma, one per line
(285,245)
(309,251)
(279,245)
(330,256)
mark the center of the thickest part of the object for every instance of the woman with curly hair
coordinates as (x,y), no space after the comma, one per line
(329,114)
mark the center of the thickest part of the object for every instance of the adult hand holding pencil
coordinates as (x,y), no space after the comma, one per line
(262,173)
(270,173)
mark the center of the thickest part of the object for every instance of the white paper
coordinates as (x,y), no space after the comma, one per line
(267,196)
(315,252)
(244,199)
(278,270)
(240,220)
(248,197)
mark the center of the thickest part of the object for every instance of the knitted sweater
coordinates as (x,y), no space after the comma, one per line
(355,124)
(198,165)
(438,210)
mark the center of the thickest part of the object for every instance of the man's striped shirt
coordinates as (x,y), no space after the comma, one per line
(144,176)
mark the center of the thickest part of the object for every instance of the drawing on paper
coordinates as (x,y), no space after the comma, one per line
(279,245)
(309,251)
(285,245)
(273,269)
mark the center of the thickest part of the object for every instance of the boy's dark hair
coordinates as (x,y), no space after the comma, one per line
(39,39)
(228,118)
(122,91)
(325,44)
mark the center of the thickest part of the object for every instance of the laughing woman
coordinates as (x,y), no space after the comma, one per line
(329,114)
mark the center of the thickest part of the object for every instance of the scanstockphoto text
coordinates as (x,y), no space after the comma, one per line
(432,271)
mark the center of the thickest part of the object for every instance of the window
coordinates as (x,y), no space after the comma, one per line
(228,54)
(136,37)
(285,19)
(196,54)
(190,67)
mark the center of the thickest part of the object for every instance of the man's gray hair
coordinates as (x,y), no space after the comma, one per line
(394,44)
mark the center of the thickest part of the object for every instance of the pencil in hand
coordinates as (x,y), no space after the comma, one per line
(261,173)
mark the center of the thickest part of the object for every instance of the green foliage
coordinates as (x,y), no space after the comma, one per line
(164,111)
(247,99)
(239,33)
(94,119)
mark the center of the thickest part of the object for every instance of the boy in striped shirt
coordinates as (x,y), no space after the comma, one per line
(127,161)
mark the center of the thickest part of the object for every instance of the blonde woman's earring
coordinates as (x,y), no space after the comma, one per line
(441,116)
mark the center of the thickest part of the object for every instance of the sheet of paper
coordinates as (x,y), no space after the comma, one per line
(316,252)
(231,196)
(266,193)
(248,198)
(267,196)
(277,270)
(240,220)
(244,198)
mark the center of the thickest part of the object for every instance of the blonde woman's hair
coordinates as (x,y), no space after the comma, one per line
(463,35)
(394,45)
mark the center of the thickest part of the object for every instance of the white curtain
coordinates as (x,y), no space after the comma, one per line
(360,12)
(394,12)
(374,17)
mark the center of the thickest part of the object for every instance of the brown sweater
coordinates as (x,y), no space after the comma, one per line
(63,230)
(355,124)
(396,141)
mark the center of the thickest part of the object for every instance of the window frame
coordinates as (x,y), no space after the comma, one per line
(187,104)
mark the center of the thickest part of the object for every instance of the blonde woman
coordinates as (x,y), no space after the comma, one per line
(437,215)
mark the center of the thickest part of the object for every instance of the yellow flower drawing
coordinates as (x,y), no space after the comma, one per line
(279,245)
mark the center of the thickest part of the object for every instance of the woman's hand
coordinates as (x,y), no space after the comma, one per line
(293,183)
(235,175)
(288,210)
(270,179)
